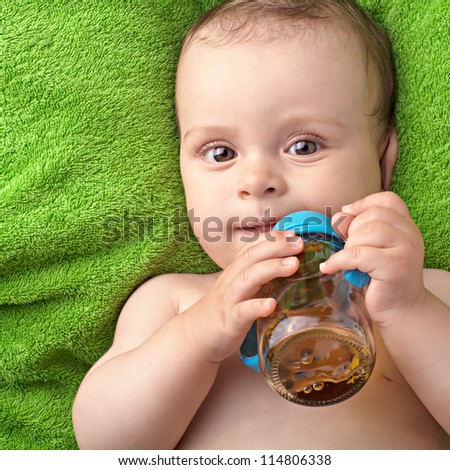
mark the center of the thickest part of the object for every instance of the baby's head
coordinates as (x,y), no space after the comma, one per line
(281,106)
(263,21)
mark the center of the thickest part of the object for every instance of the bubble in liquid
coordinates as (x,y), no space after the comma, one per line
(318,386)
(292,395)
(307,389)
(306,356)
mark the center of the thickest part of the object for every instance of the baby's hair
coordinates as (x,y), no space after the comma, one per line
(236,21)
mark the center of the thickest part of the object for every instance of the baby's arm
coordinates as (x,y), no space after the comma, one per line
(420,346)
(140,393)
(144,392)
(415,324)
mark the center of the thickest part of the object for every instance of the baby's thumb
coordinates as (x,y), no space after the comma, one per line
(248,311)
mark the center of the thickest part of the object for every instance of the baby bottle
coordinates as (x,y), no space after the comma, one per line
(317,348)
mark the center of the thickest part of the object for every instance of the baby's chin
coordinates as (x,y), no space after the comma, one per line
(223,254)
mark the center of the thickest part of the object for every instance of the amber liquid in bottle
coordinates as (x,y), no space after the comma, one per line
(320,366)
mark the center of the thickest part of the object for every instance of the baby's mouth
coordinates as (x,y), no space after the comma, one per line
(259,227)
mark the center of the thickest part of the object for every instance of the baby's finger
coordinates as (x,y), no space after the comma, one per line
(385,199)
(249,280)
(279,244)
(382,215)
(363,258)
(382,235)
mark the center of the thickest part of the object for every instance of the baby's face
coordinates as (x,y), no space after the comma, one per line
(269,129)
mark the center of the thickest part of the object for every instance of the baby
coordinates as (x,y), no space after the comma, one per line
(282,106)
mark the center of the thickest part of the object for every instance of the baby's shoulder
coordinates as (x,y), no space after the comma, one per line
(437,281)
(180,290)
(153,304)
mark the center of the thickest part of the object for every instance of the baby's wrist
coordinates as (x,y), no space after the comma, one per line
(200,335)
(396,319)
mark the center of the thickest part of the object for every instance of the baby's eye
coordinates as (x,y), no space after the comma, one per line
(220,155)
(304,147)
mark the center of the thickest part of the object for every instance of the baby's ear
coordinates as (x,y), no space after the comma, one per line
(388,152)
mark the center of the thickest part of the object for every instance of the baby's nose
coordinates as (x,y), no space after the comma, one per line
(260,179)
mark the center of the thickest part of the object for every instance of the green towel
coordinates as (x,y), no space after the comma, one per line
(91,200)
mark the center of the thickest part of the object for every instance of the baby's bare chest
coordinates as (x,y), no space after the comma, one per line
(242,412)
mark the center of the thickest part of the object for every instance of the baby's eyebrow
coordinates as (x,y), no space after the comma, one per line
(318,118)
(205,129)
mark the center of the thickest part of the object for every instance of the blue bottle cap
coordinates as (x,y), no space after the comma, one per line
(310,223)
(306,222)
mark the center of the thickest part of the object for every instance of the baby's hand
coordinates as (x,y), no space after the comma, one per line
(227,311)
(382,240)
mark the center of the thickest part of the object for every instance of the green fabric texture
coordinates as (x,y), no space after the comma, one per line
(91,200)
